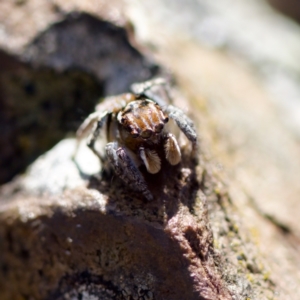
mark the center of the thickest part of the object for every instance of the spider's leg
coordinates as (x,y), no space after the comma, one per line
(126,169)
(185,124)
(95,133)
(85,129)
(151,160)
(156,89)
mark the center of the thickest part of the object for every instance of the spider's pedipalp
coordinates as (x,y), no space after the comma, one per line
(150,159)
(126,169)
(172,150)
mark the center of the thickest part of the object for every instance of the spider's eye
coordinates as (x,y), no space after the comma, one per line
(134,133)
(146,134)
(122,120)
(159,127)
(166,120)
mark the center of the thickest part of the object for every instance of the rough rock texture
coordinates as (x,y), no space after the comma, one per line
(102,240)
(225,229)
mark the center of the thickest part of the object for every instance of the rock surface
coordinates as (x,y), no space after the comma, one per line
(245,95)
(66,234)
(68,237)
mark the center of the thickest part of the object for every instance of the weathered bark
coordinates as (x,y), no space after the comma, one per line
(67,233)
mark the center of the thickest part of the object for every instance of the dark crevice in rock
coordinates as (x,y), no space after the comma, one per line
(39,107)
(79,286)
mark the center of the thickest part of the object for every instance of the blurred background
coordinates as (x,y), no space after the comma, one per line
(237,63)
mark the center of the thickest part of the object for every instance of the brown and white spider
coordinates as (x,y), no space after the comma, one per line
(136,132)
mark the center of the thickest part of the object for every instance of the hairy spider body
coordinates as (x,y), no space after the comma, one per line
(136,133)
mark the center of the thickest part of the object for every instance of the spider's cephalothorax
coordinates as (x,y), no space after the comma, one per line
(136,133)
(143,118)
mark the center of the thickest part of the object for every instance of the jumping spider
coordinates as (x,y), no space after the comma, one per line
(136,132)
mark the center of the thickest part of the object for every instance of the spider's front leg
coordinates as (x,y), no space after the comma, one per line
(94,122)
(91,127)
(126,169)
(185,124)
(95,134)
